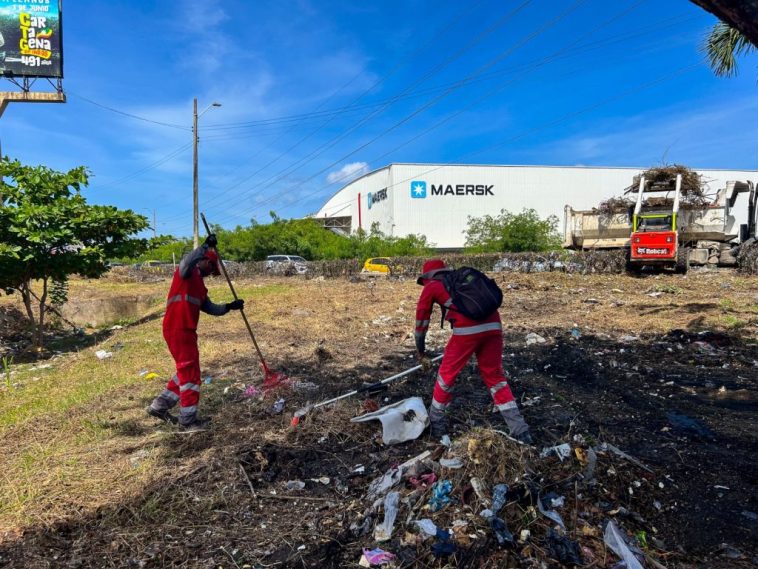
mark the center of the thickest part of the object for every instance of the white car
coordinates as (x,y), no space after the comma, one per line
(286,264)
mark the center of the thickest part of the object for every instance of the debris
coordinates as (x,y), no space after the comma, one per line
(278,406)
(575,333)
(688,425)
(295,485)
(532,338)
(451,463)
(445,441)
(622,454)
(383,531)
(380,485)
(561,451)
(251,391)
(478,487)
(401,421)
(375,557)
(304,386)
(147,375)
(427,527)
(440,495)
(551,514)
(207,380)
(423,481)
(563,549)
(443,547)
(102,354)
(325,480)
(615,540)
(501,531)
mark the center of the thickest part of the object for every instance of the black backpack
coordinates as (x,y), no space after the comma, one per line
(474,294)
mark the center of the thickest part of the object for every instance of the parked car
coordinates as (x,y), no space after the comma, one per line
(377,265)
(286,264)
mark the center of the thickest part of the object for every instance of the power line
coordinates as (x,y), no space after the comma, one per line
(136,117)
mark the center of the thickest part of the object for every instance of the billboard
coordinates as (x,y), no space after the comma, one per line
(30,38)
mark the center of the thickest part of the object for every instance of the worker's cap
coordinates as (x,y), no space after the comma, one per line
(431,268)
(212,256)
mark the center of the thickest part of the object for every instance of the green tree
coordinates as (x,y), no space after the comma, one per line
(48,232)
(722,47)
(524,231)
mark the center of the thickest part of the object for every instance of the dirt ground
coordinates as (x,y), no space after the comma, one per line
(664,368)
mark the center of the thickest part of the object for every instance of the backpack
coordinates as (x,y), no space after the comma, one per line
(473,293)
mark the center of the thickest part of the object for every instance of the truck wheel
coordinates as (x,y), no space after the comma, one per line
(682,260)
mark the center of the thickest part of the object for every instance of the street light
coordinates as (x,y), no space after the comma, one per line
(195,116)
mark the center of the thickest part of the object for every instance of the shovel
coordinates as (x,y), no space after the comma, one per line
(270,378)
(371,388)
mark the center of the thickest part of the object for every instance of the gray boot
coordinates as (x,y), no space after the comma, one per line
(438,423)
(516,425)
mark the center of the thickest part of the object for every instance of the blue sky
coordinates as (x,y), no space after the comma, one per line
(314,92)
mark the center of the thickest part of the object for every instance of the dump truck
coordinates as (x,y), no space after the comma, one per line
(663,231)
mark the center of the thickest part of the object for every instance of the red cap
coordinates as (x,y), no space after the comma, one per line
(431,268)
(212,256)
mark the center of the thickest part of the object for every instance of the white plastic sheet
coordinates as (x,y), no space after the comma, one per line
(615,540)
(401,421)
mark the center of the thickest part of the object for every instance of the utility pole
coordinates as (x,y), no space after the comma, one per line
(195,206)
(195,236)
(155,225)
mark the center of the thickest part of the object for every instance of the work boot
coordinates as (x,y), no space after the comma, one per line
(516,425)
(438,423)
(197,424)
(162,414)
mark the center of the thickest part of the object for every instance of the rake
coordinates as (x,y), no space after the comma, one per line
(271,378)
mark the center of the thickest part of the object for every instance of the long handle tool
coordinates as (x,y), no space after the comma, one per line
(271,378)
(370,388)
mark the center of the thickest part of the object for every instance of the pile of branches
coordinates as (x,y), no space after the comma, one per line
(747,258)
(615,205)
(664,178)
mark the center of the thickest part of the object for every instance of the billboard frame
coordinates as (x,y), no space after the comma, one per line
(9,74)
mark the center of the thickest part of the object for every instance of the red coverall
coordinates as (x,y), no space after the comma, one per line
(186,297)
(483,338)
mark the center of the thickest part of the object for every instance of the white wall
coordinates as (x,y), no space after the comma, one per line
(444,218)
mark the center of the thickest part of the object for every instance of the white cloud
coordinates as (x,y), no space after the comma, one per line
(348,172)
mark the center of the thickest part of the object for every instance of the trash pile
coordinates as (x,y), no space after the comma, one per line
(488,499)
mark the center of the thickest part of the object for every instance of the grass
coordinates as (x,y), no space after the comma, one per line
(68,432)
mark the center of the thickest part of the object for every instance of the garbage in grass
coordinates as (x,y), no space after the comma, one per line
(251,391)
(453,463)
(532,338)
(383,531)
(278,406)
(563,549)
(561,451)
(614,539)
(147,375)
(401,421)
(207,380)
(426,527)
(103,355)
(375,557)
(295,485)
(440,495)
(552,514)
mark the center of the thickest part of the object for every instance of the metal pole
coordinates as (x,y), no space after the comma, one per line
(195,235)
(155,234)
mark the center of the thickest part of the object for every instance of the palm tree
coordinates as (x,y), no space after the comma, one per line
(722,47)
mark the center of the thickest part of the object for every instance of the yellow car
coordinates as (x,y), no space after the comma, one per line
(380,265)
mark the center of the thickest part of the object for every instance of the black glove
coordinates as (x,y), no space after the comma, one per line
(211,241)
(238,304)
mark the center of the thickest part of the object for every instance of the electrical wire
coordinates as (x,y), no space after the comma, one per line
(136,117)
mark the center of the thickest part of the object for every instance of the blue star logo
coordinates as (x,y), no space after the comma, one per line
(418,189)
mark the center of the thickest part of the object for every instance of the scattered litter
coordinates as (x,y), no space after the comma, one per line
(383,531)
(207,380)
(401,421)
(278,406)
(615,540)
(688,425)
(561,451)
(532,401)
(478,487)
(451,463)
(445,441)
(147,375)
(440,495)
(116,327)
(501,531)
(532,338)
(655,294)
(575,333)
(443,547)
(628,339)
(380,485)
(750,515)
(295,485)
(325,480)
(498,497)
(622,454)
(375,557)
(102,354)
(251,391)
(423,481)
(551,514)
(304,386)
(427,527)
(524,536)
(563,549)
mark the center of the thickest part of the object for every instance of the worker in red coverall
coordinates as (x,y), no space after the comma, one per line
(481,337)
(186,298)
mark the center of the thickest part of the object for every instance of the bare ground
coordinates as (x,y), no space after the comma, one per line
(670,379)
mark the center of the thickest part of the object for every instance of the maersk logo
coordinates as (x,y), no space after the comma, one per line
(418,189)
